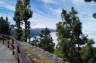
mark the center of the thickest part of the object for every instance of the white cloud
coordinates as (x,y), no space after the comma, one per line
(58,11)
(38,26)
(89,29)
(7,6)
(10,7)
(49,1)
(78,1)
(42,21)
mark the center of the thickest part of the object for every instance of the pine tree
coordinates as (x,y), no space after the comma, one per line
(22,14)
(26,14)
(46,41)
(17,18)
(70,36)
(88,52)
(4,26)
(35,42)
(28,30)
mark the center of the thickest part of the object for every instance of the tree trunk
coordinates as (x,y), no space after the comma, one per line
(25,32)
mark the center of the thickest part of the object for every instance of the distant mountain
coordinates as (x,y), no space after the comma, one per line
(37,31)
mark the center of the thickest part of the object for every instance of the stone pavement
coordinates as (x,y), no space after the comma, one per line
(6,55)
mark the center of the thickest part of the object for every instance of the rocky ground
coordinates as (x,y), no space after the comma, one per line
(38,55)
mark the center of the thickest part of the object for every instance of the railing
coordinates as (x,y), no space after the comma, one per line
(17,50)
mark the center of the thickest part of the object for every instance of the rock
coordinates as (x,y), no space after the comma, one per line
(50,56)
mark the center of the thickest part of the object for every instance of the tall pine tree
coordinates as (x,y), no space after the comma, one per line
(22,14)
(4,26)
(26,14)
(18,19)
(70,36)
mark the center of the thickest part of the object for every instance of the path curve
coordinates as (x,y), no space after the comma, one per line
(6,55)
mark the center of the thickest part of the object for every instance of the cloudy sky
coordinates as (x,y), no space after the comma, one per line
(46,13)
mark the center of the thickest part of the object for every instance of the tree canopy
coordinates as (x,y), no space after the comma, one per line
(4,26)
(70,36)
(46,41)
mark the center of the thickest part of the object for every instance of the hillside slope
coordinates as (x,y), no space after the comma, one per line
(38,55)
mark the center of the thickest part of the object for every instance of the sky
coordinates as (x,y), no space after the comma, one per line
(46,13)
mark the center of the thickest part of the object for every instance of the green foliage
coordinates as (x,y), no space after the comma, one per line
(35,42)
(92,60)
(88,52)
(4,26)
(17,14)
(70,36)
(26,14)
(46,41)
(17,18)
(26,2)
(58,52)
(22,14)
(94,15)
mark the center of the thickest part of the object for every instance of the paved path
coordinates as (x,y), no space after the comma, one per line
(6,55)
